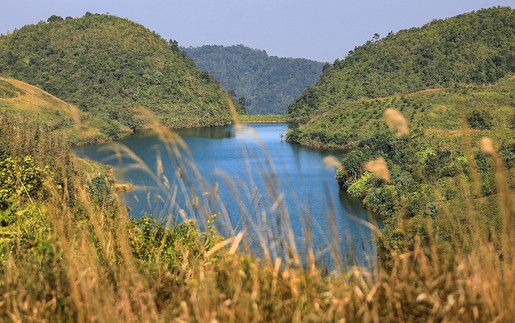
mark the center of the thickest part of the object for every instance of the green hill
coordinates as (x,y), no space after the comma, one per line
(268,83)
(477,47)
(436,170)
(109,66)
(452,83)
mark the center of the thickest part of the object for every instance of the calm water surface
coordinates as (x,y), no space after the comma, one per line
(252,178)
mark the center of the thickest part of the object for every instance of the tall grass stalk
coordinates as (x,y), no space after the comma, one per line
(73,255)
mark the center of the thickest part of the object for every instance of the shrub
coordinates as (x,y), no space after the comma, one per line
(19,177)
(360,187)
(480,120)
(380,200)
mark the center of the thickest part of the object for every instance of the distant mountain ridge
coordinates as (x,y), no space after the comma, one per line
(111,66)
(268,83)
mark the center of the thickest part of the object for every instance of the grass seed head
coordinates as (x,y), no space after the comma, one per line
(487,146)
(396,122)
(332,162)
(379,168)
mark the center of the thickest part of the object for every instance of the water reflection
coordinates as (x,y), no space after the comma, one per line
(211,132)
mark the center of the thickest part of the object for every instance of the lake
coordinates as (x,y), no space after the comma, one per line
(252,179)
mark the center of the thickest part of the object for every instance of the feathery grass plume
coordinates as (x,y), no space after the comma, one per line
(379,168)
(396,122)
(505,206)
(332,162)
(72,257)
(487,146)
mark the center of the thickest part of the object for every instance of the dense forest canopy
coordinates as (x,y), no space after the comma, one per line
(477,47)
(109,66)
(268,84)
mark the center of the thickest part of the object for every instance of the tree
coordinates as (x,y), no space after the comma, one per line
(240,103)
(173,44)
(241,107)
(54,18)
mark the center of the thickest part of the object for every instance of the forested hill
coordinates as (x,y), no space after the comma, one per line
(477,47)
(109,66)
(268,83)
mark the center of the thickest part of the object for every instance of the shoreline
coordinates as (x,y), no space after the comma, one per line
(147,130)
(263,121)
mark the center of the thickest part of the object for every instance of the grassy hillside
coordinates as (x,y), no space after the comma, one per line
(269,84)
(109,66)
(484,109)
(477,47)
(21,100)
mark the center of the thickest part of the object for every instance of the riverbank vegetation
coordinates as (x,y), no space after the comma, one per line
(462,69)
(263,118)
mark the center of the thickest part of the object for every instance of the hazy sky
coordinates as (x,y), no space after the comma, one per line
(317,29)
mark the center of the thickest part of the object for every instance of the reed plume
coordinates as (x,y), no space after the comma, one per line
(379,168)
(332,162)
(396,122)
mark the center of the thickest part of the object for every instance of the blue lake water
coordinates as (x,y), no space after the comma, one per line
(252,179)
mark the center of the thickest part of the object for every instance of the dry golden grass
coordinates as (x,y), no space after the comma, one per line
(83,266)
(332,162)
(36,101)
(66,119)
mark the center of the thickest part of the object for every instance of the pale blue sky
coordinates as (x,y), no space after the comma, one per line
(317,29)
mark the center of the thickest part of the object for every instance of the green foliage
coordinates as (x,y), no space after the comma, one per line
(54,18)
(33,148)
(380,200)
(360,187)
(19,177)
(480,120)
(110,66)
(477,48)
(268,83)
(353,163)
(151,241)
(101,192)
